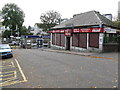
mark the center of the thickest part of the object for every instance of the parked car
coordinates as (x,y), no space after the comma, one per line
(12,43)
(5,51)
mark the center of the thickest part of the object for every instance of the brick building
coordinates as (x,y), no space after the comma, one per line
(85,32)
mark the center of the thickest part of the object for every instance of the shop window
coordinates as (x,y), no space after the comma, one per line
(58,39)
(94,40)
(62,40)
(83,40)
(75,39)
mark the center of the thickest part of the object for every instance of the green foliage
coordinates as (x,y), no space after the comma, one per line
(118,40)
(25,31)
(106,39)
(44,26)
(6,34)
(50,19)
(13,17)
(117,23)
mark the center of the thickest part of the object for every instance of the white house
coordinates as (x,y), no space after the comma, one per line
(37,30)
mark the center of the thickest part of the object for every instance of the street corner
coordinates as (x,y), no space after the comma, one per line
(11,73)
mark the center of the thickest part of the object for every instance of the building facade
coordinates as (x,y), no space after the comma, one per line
(37,30)
(85,32)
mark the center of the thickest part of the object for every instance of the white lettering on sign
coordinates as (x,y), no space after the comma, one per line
(76,30)
(96,30)
(109,30)
(62,31)
(85,30)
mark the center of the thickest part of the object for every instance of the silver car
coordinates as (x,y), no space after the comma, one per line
(5,51)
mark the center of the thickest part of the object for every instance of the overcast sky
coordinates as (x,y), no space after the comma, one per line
(34,8)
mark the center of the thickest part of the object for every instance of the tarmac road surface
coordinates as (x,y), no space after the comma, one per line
(43,69)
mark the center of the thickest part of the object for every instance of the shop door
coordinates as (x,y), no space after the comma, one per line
(67,43)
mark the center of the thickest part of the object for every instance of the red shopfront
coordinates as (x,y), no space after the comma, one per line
(76,37)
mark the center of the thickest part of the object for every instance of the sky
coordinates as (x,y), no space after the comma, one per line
(67,8)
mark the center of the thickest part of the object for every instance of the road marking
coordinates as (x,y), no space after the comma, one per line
(12,64)
(10,78)
(7,74)
(101,57)
(8,83)
(7,67)
(21,71)
(6,78)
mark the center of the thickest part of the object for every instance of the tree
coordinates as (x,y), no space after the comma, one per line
(50,19)
(6,34)
(117,23)
(13,17)
(25,31)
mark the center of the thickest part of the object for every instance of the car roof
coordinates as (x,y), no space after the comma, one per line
(4,45)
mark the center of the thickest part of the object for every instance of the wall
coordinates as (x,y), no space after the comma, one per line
(110,47)
(74,48)
(91,49)
(54,46)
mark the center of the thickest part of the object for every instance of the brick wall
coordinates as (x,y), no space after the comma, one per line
(110,47)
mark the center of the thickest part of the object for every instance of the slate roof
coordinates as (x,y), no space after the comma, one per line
(86,19)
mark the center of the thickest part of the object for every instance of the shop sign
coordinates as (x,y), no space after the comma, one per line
(96,30)
(85,30)
(68,32)
(88,30)
(109,30)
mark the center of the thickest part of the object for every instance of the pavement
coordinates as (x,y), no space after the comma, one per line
(104,55)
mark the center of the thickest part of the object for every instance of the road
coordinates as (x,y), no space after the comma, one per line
(35,68)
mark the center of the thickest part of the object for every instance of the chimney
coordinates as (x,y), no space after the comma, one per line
(108,16)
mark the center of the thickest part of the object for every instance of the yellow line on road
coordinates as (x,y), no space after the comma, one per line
(12,64)
(7,78)
(6,72)
(21,71)
(101,57)
(9,83)
(7,67)
(6,75)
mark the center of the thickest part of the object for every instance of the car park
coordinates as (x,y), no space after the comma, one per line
(5,51)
